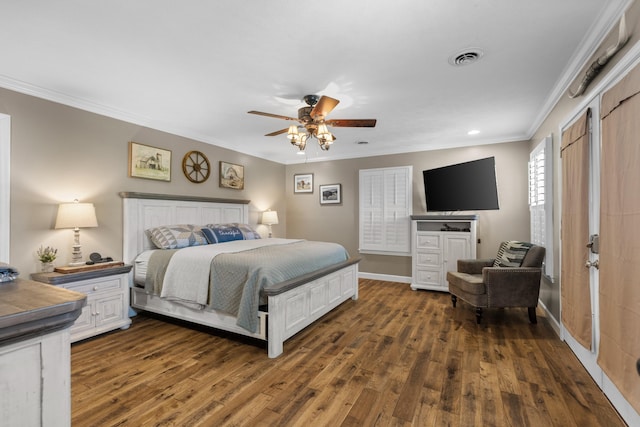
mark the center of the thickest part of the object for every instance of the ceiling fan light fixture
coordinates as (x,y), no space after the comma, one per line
(292,133)
(303,143)
(322,132)
(312,120)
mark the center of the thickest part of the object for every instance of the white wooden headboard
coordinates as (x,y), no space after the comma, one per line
(142,211)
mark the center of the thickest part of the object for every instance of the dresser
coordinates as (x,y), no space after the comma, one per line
(35,353)
(107,292)
(437,243)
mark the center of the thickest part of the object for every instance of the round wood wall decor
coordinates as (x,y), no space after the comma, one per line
(196,166)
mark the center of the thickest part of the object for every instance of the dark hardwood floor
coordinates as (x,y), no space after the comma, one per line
(395,357)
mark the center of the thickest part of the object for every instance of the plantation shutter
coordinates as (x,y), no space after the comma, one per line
(385,209)
(541,199)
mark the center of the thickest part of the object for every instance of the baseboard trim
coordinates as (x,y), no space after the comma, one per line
(384,277)
(555,325)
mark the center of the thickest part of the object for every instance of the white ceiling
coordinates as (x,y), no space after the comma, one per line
(195,67)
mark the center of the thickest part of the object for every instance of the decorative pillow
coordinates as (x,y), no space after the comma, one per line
(245,230)
(511,254)
(177,236)
(222,233)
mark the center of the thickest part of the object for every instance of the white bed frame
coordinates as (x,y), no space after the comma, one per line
(292,305)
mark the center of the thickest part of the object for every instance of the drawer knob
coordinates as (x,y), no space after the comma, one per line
(95,288)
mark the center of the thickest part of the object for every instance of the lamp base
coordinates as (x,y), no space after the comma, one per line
(76,256)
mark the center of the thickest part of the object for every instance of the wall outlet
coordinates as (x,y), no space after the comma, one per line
(479,241)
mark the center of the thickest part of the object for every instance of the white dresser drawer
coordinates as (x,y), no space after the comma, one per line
(428,259)
(428,241)
(97,285)
(428,277)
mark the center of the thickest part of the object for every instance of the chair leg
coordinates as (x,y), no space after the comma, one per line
(454,300)
(532,315)
(478,315)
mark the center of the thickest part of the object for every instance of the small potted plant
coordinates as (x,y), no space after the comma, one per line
(47,256)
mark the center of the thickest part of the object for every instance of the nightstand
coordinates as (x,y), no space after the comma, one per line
(107,291)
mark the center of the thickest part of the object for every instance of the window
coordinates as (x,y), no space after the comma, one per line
(385,210)
(541,200)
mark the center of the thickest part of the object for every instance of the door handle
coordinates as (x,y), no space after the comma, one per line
(595,264)
(594,243)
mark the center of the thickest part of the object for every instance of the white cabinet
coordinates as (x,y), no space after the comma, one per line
(107,305)
(437,243)
(35,355)
(107,294)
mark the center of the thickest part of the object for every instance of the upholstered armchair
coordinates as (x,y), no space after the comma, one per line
(512,279)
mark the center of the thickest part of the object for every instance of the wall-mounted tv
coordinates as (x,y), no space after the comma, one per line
(469,186)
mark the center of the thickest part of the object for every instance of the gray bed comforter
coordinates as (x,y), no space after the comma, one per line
(236,279)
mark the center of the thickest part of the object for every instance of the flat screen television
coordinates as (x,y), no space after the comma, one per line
(469,186)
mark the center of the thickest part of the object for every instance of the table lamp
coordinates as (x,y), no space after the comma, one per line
(76,215)
(270,218)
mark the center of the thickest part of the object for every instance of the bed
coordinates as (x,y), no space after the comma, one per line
(289,306)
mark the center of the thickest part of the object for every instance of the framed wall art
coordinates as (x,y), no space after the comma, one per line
(330,194)
(231,176)
(149,162)
(303,183)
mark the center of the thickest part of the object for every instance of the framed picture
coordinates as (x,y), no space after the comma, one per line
(231,176)
(303,183)
(149,162)
(330,194)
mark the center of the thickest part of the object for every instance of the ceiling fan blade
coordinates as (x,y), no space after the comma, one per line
(278,132)
(324,106)
(275,116)
(357,123)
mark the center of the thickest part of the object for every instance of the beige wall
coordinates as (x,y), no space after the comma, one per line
(60,153)
(339,223)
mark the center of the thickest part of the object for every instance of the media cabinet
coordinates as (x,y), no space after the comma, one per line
(437,243)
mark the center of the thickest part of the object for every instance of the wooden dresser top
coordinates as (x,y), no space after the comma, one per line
(28,308)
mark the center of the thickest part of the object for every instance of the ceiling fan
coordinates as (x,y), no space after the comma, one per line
(312,119)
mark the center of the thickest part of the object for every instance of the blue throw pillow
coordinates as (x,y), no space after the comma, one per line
(248,233)
(221,234)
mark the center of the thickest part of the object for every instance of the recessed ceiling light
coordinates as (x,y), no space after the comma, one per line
(473,132)
(466,57)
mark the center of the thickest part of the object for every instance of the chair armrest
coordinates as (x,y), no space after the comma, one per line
(512,287)
(473,266)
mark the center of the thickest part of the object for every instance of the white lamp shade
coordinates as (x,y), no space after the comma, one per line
(72,215)
(322,131)
(270,217)
(292,133)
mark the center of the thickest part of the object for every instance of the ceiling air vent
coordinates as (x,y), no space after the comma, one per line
(466,57)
